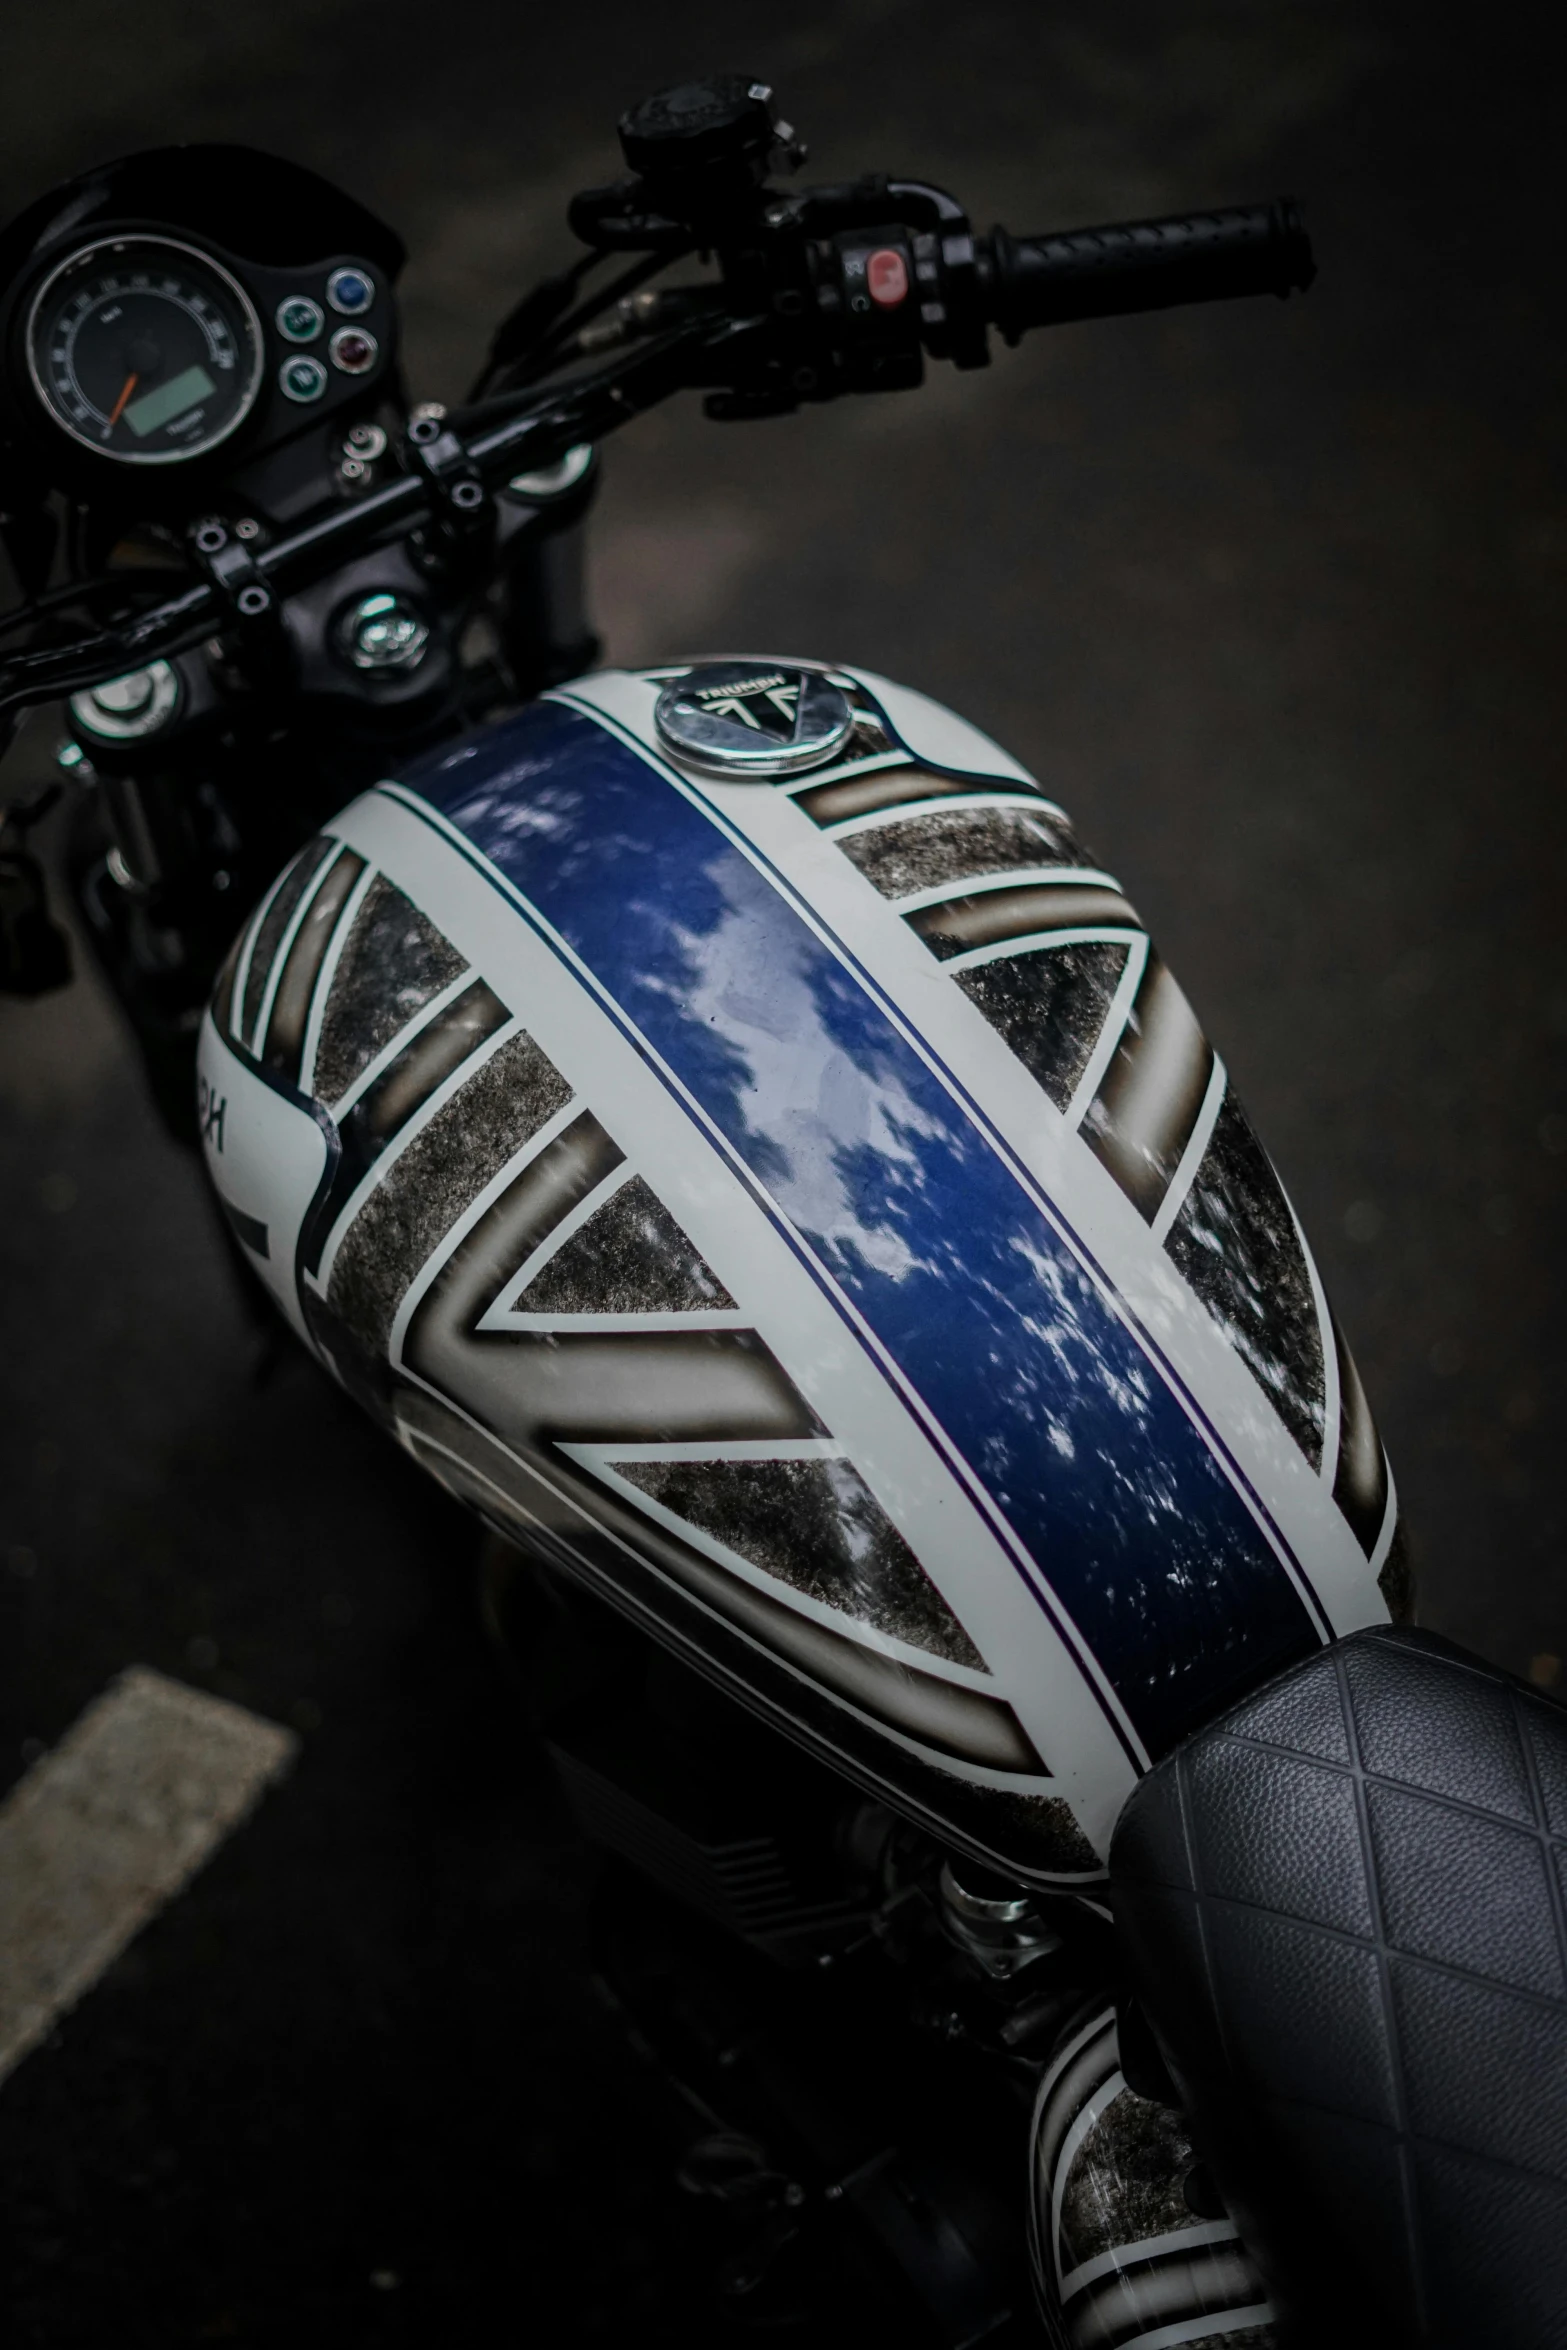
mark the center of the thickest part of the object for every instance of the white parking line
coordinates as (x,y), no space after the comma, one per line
(107,1828)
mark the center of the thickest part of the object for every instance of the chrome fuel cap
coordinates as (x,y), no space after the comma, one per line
(740,718)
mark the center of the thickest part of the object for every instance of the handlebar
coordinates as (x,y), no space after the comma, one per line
(246,593)
(1147,265)
(833,290)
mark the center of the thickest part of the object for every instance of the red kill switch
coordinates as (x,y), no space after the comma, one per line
(887,278)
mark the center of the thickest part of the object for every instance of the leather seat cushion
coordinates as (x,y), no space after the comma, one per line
(1342,1909)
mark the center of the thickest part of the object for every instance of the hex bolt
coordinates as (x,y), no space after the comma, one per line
(383,631)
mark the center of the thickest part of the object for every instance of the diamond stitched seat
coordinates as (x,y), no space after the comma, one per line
(1342,1907)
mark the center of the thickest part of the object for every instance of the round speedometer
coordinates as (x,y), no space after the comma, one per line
(144,350)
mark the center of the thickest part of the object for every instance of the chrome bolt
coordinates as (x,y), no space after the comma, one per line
(382,632)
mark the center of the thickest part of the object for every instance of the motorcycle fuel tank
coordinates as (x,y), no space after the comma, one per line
(737,1138)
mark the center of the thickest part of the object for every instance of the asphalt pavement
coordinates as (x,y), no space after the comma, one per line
(1271,596)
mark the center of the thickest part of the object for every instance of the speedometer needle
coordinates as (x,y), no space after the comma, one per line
(131,382)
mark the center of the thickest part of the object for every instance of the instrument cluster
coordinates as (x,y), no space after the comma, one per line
(149,350)
(147,345)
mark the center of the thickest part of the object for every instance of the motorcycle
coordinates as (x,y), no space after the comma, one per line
(728,1129)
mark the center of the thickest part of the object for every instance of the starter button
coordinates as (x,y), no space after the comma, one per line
(887,278)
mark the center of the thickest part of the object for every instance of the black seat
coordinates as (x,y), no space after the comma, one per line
(1342,1909)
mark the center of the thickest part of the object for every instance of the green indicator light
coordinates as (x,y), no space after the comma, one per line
(303,379)
(299,319)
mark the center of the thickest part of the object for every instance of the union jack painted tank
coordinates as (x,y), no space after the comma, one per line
(729,1129)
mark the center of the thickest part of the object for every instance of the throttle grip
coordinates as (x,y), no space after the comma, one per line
(1146,265)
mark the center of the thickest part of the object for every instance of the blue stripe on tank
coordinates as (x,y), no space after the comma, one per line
(1045,1393)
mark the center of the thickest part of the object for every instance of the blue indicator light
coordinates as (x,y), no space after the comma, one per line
(349,291)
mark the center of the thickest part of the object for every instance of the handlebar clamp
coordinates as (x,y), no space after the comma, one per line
(835,289)
(459,502)
(225,561)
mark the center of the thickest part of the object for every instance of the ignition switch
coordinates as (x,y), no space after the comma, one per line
(128,709)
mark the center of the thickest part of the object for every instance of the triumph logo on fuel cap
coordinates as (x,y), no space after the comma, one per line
(739,718)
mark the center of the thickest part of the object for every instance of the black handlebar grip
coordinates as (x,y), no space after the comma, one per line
(1147,265)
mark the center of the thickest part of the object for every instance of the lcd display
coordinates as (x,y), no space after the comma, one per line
(169,400)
